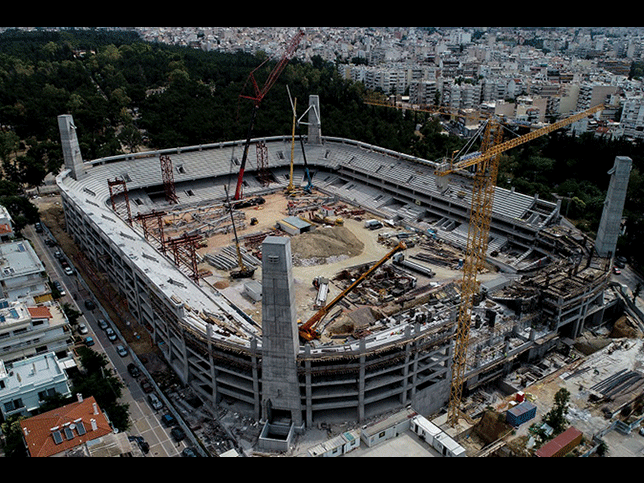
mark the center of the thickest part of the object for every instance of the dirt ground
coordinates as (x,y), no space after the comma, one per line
(325,252)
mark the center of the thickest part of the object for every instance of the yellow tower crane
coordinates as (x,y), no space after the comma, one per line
(486,166)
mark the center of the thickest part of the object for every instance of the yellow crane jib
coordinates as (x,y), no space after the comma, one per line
(307,331)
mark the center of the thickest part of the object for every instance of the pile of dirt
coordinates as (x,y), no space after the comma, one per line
(491,427)
(625,327)
(325,245)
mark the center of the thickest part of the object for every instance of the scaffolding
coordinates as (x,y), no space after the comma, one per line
(184,251)
(143,219)
(120,207)
(262,164)
(168,179)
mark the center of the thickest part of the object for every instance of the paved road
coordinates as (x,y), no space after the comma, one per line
(145,422)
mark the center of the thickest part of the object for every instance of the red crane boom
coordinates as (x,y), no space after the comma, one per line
(259,94)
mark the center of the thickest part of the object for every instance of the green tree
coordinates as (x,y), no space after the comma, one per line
(14,446)
(556,417)
(99,381)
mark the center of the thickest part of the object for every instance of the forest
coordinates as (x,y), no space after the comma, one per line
(129,95)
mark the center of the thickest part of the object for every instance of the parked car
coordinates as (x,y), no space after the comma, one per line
(121,350)
(103,324)
(143,444)
(59,287)
(133,370)
(620,262)
(89,305)
(146,386)
(111,335)
(155,402)
(168,420)
(617,271)
(69,270)
(89,341)
(82,329)
(189,453)
(177,434)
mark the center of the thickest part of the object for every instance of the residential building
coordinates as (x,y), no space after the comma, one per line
(22,274)
(6,225)
(25,384)
(632,119)
(27,331)
(68,428)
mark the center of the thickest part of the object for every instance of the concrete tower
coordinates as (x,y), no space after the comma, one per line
(280,340)
(71,149)
(315,125)
(609,226)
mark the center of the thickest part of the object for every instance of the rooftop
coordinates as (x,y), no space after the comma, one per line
(65,428)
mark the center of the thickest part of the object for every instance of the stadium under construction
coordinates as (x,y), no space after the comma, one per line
(157,226)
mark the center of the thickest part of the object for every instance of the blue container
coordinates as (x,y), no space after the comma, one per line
(521,413)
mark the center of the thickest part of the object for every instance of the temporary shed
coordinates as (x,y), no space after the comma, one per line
(562,444)
(294,225)
(425,429)
(521,413)
(385,429)
(337,446)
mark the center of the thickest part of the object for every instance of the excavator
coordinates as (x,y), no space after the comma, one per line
(307,330)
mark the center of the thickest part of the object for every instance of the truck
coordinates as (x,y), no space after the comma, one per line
(373,224)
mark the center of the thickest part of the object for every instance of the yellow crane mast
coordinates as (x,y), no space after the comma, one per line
(486,167)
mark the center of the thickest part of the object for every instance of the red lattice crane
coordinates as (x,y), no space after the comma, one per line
(258,97)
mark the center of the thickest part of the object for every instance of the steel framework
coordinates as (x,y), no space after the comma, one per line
(168,179)
(143,219)
(119,186)
(184,251)
(262,164)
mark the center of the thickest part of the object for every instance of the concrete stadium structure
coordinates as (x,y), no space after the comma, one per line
(221,353)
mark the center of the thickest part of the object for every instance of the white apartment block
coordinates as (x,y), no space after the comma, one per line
(632,119)
(22,274)
(26,331)
(26,384)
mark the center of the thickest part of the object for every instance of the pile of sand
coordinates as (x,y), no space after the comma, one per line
(325,245)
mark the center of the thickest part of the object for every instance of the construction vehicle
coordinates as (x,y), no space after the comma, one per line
(486,165)
(257,99)
(244,271)
(308,330)
(322,286)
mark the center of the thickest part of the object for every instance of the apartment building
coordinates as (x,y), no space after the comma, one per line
(22,274)
(25,384)
(29,330)
(632,119)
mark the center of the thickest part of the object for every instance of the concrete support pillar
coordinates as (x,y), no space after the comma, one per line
(315,125)
(308,389)
(610,224)
(71,148)
(213,371)
(362,381)
(280,340)
(256,400)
